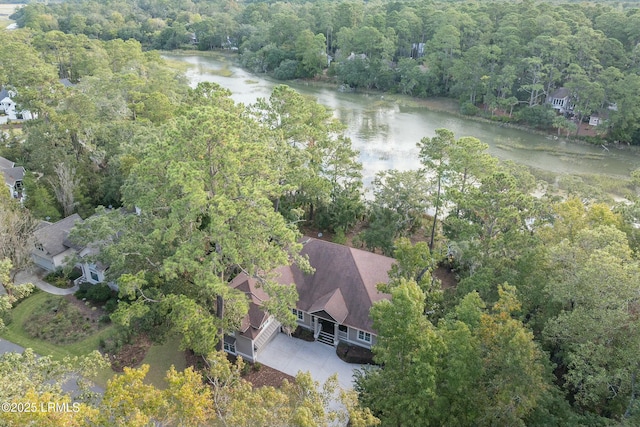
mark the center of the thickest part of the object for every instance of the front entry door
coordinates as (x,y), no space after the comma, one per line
(327,331)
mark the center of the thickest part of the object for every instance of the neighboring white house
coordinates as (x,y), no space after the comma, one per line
(13,178)
(334,301)
(8,108)
(91,272)
(54,250)
(561,100)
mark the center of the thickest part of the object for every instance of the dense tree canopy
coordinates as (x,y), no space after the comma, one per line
(499,55)
(184,189)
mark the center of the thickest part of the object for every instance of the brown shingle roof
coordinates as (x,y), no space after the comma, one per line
(256,317)
(343,285)
(354,272)
(333,304)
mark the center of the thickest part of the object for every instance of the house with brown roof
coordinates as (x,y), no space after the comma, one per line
(334,301)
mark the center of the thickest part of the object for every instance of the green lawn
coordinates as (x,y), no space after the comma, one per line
(14,332)
(160,358)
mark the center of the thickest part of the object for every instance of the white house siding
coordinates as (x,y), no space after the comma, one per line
(60,260)
(43,262)
(87,269)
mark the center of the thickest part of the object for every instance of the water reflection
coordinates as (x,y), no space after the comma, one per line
(386,132)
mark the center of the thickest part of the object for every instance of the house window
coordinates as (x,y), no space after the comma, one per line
(230,347)
(299,314)
(364,336)
(94,276)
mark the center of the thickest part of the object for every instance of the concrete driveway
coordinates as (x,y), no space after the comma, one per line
(34,276)
(291,355)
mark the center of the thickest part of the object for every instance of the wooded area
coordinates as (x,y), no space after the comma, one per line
(542,327)
(501,59)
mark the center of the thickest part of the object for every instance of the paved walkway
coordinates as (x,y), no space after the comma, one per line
(291,355)
(35,278)
(9,347)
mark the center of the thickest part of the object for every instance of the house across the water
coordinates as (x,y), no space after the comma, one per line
(334,301)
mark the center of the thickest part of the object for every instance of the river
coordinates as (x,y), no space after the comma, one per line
(385,131)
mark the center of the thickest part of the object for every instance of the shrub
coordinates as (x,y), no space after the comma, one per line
(74,274)
(99,293)
(468,109)
(340,237)
(540,116)
(111,305)
(246,369)
(57,279)
(81,293)
(287,70)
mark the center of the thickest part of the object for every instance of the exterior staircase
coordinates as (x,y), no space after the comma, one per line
(266,334)
(325,338)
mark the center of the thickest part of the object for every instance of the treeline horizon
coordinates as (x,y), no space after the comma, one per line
(499,59)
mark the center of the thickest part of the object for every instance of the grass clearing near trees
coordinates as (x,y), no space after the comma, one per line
(15,332)
(160,357)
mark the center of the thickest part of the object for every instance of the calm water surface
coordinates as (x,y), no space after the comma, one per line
(385,132)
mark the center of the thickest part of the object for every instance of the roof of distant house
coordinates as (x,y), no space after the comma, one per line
(561,92)
(66,82)
(11,175)
(6,163)
(52,237)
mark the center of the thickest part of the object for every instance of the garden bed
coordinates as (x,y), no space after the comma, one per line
(257,374)
(63,320)
(303,334)
(131,354)
(354,354)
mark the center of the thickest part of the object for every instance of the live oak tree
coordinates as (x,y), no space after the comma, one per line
(42,381)
(14,293)
(401,200)
(218,396)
